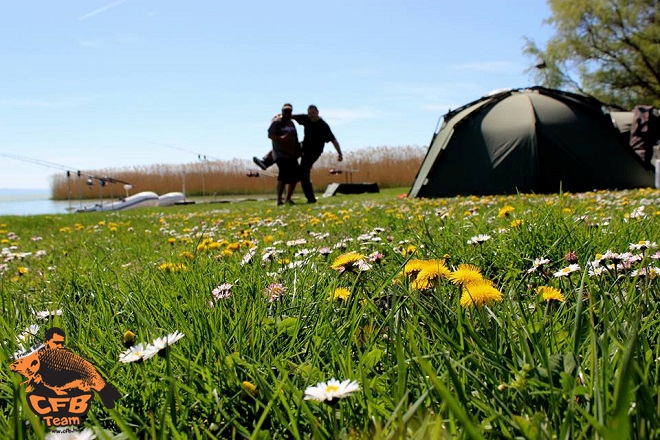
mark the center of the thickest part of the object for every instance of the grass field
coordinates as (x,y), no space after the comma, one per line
(530,316)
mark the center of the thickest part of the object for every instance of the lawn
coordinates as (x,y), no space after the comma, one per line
(530,316)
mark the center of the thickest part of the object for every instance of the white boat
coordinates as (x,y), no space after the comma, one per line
(171,198)
(142,199)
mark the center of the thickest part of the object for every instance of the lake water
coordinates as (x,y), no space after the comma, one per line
(32,202)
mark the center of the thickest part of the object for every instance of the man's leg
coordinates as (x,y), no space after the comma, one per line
(280,192)
(289,192)
(306,164)
(264,162)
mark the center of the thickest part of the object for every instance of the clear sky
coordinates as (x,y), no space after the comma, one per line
(107,84)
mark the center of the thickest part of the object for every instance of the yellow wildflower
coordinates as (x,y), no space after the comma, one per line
(480,293)
(550,293)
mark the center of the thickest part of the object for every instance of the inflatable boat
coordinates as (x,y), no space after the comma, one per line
(142,199)
(171,198)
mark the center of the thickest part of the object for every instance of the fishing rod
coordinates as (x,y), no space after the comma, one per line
(102,180)
(201,156)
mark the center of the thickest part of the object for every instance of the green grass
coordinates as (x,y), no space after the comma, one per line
(427,366)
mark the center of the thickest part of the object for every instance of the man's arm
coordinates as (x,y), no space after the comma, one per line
(336,145)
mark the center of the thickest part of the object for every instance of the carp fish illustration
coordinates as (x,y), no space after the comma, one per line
(62,371)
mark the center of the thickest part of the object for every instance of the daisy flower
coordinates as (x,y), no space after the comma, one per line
(161,344)
(85,434)
(222,291)
(274,291)
(567,271)
(47,313)
(643,245)
(478,239)
(137,353)
(550,293)
(332,389)
(538,263)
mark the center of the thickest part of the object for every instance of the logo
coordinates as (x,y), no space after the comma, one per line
(60,383)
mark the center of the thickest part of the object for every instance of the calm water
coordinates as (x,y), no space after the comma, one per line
(32,202)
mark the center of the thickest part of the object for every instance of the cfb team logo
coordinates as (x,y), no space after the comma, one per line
(60,383)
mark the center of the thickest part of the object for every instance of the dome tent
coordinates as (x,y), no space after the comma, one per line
(528,140)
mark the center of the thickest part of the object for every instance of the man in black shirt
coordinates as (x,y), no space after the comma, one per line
(317,133)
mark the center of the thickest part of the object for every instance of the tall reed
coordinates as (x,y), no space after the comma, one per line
(387,166)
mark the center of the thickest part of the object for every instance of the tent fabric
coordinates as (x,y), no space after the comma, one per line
(528,140)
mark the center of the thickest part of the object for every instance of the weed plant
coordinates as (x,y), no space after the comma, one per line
(556,336)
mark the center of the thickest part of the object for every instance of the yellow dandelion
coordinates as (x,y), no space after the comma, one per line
(413,267)
(505,211)
(517,222)
(186,254)
(480,293)
(346,260)
(550,293)
(23,270)
(466,274)
(341,293)
(171,240)
(249,387)
(214,245)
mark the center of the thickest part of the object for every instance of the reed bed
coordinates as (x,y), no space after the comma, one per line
(390,167)
(523,316)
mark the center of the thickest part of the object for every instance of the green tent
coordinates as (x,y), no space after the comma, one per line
(532,140)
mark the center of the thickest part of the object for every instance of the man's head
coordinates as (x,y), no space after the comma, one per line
(313,112)
(287,111)
(55,338)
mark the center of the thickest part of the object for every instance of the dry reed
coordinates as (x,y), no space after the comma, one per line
(389,167)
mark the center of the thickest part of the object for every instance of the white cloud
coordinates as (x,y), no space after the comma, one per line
(489,67)
(100,10)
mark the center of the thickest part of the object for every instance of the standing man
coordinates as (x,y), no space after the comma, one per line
(317,133)
(286,150)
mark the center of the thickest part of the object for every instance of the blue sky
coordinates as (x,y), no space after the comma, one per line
(99,84)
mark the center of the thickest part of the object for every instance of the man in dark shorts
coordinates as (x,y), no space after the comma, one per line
(317,133)
(286,150)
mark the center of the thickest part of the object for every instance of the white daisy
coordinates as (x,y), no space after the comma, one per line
(333,389)
(166,341)
(478,239)
(85,434)
(137,353)
(567,271)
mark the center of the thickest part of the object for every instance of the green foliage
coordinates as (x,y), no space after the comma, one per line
(427,366)
(609,49)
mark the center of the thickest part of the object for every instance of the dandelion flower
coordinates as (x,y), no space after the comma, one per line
(480,293)
(249,387)
(413,267)
(347,261)
(332,389)
(466,274)
(550,293)
(432,271)
(341,294)
(505,211)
